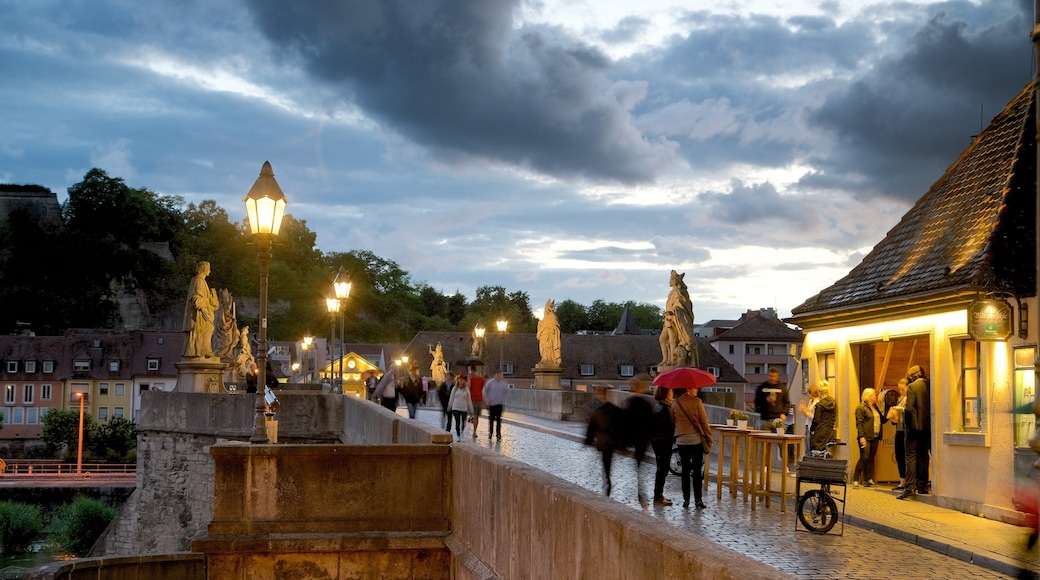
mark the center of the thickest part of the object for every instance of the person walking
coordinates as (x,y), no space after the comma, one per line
(773,402)
(917,430)
(604,432)
(693,434)
(662,440)
(411,390)
(476,396)
(494,393)
(443,394)
(895,416)
(461,405)
(868,434)
(639,412)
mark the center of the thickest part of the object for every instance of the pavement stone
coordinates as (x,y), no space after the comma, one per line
(881,536)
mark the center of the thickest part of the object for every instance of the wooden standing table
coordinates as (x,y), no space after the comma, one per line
(738,463)
(762,465)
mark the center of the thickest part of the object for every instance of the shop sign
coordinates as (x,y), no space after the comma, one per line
(989,320)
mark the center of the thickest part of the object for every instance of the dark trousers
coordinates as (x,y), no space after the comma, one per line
(447,420)
(389,403)
(692,459)
(663,453)
(917,447)
(865,465)
(607,455)
(460,421)
(901,454)
(495,420)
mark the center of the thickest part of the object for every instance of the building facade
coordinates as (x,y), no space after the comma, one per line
(951,288)
(758,342)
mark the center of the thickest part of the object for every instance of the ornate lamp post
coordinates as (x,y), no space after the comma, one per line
(341,287)
(265,206)
(502,324)
(333,306)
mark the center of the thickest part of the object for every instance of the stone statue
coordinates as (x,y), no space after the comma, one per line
(549,336)
(683,347)
(437,367)
(198,315)
(226,335)
(477,349)
(244,362)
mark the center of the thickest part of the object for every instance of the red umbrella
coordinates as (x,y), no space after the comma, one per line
(684,378)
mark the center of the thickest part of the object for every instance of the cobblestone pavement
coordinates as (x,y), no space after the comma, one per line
(764,534)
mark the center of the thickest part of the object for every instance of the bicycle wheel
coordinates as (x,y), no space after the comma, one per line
(674,464)
(817,511)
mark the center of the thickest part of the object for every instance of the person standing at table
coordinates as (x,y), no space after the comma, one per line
(662,439)
(868,434)
(693,434)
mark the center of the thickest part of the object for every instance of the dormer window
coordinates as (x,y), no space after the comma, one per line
(12,366)
(30,366)
(627,371)
(81,365)
(113,366)
(153,364)
(587,370)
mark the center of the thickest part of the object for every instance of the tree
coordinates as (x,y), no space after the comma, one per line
(114,439)
(572,316)
(61,431)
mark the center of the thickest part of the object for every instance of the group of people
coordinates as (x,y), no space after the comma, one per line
(671,417)
(910,413)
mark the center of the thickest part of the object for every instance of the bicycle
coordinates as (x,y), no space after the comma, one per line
(817,509)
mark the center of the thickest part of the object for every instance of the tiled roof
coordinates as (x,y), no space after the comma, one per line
(973,230)
(761,328)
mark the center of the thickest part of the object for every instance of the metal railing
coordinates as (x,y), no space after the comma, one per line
(54,467)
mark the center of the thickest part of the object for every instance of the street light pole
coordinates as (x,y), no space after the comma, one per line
(341,287)
(79,454)
(265,206)
(502,324)
(333,306)
(306,344)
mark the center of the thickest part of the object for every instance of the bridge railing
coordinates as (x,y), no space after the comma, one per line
(48,468)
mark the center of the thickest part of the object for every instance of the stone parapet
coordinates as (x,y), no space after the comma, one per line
(548,403)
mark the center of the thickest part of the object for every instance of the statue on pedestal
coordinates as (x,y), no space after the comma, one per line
(477,349)
(678,346)
(549,337)
(198,315)
(226,338)
(438,366)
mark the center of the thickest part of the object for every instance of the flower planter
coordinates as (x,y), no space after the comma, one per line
(780,430)
(741,424)
(729,422)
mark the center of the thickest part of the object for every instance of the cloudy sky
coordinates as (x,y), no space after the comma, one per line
(572,149)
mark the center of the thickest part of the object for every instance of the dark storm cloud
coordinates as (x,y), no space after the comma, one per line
(455,76)
(903,121)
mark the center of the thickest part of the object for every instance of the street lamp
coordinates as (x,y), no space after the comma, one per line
(502,324)
(341,287)
(333,305)
(79,454)
(265,206)
(306,345)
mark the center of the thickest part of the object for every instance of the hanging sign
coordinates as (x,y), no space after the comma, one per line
(989,320)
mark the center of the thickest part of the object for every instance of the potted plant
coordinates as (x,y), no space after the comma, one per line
(740,417)
(776,425)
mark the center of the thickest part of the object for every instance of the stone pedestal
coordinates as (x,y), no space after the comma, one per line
(200,375)
(547,376)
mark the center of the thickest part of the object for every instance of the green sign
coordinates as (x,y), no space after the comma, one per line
(989,320)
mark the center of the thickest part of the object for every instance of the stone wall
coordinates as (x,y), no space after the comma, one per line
(549,404)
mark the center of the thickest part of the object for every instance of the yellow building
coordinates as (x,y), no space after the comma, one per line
(951,288)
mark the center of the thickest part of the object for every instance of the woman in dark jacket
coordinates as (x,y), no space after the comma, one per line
(868,434)
(824,415)
(662,440)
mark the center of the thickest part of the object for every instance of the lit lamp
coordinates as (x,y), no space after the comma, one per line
(478,331)
(79,454)
(341,287)
(306,345)
(332,305)
(265,206)
(502,324)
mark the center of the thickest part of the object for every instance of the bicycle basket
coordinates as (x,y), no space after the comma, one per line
(835,470)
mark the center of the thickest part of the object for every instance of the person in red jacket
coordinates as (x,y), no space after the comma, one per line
(476,395)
